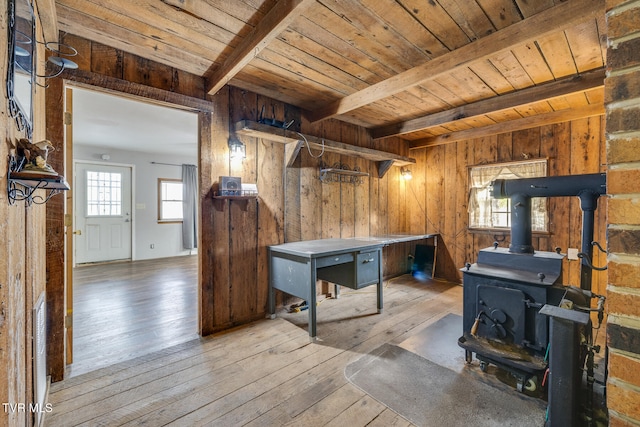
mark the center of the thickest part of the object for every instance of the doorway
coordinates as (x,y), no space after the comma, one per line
(133,287)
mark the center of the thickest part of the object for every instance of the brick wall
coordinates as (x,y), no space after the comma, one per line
(622,101)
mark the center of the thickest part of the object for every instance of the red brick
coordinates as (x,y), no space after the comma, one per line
(624,368)
(623,400)
(623,181)
(623,86)
(623,150)
(623,304)
(623,55)
(619,422)
(623,274)
(623,337)
(624,210)
(623,22)
(621,241)
(624,119)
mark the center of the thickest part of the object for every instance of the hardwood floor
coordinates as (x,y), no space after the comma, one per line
(125,310)
(266,373)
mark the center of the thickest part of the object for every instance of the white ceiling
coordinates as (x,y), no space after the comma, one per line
(105,120)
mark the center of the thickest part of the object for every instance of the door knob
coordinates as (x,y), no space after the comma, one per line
(77,232)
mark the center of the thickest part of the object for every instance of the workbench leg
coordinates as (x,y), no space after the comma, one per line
(311,301)
(380,281)
(271,296)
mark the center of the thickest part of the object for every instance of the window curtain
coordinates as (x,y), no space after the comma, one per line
(189,206)
(479,207)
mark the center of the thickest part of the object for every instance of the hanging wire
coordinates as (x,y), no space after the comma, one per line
(309,148)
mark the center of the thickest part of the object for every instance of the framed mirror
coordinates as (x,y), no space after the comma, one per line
(20,70)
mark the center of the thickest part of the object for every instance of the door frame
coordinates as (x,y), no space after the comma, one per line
(132,167)
(57,119)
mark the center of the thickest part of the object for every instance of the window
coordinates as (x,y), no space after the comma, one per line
(485,212)
(104,193)
(169,200)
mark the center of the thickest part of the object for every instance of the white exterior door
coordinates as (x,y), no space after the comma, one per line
(102,212)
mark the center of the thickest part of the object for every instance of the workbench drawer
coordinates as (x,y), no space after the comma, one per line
(368,268)
(334,260)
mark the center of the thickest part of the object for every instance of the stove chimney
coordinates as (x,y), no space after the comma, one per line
(587,187)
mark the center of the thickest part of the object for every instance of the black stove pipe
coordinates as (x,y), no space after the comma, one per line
(587,187)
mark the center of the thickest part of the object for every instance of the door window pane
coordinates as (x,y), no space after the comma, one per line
(104,193)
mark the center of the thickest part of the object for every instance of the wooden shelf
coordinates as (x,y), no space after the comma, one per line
(258,130)
(239,194)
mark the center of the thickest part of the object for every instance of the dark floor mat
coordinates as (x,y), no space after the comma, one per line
(428,394)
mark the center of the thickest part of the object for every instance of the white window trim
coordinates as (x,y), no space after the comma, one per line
(160,200)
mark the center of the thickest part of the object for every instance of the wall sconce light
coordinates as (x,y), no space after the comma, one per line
(406,174)
(237,150)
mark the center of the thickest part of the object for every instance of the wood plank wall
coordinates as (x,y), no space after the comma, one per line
(293,204)
(22,251)
(437,201)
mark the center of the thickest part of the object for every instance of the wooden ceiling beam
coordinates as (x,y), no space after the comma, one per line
(557,18)
(512,126)
(48,19)
(586,81)
(273,24)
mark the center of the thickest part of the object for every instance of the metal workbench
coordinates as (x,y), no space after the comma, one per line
(295,267)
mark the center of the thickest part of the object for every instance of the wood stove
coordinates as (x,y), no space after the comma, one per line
(506,288)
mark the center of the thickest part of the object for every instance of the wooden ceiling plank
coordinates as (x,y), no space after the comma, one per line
(529,8)
(434,18)
(492,77)
(302,43)
(469,17)
(404,23)
(120,38)
(151,22)
(551,20)
(533,63)
(274,23)
(377,31)
(512,126)
(512,70)
(325,36)
(207,12)
(467,85)
(557,54)
(561,88)
(380,55)
(584,42)
(502,13)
